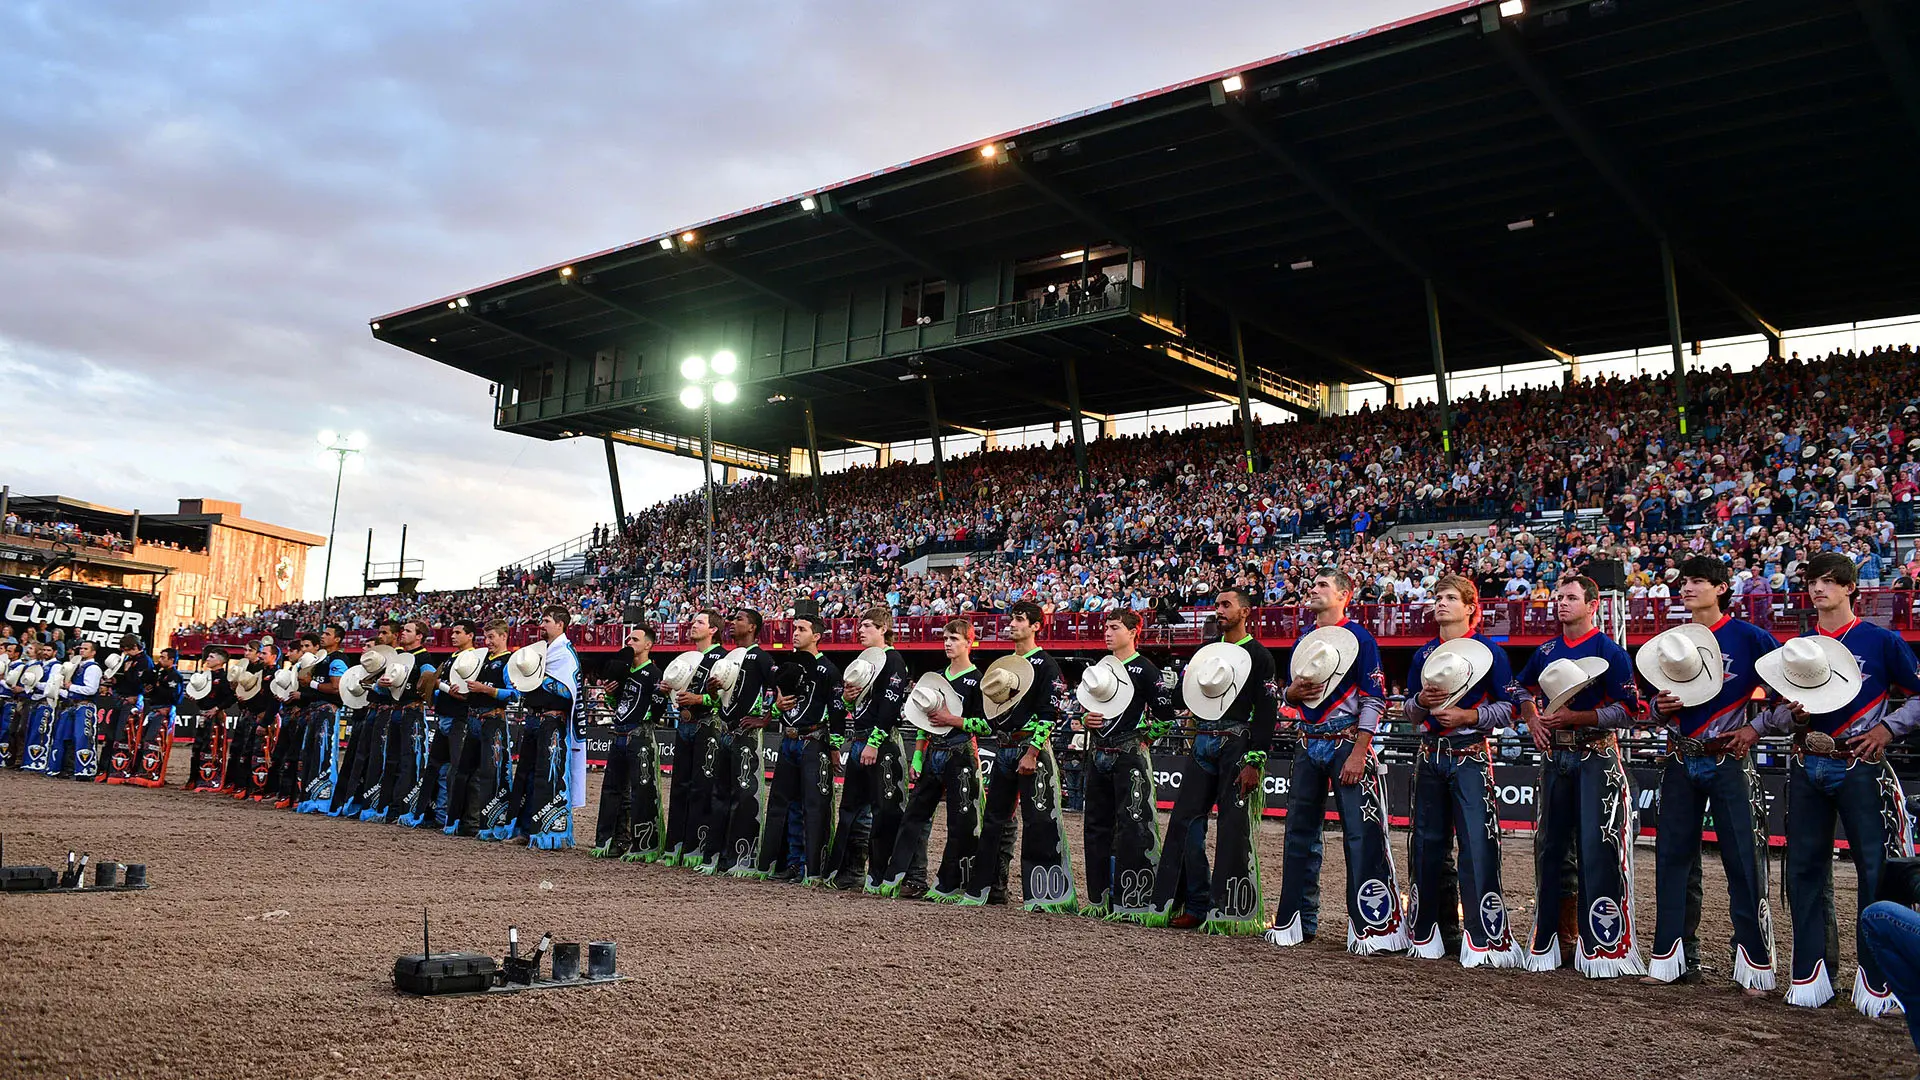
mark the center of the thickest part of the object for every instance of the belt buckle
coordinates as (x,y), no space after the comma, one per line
(1818,742)
(790,732)
(1566,739)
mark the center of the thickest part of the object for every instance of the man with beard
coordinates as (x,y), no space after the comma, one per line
(483,776)
(873,796)
(404,786)
(733,825)
(321,759)
(1126,702)
(207,767)
(800,797)
(1023,774)
(125,721)
(631,823)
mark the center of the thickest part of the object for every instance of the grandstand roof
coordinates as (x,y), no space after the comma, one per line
(1771,142)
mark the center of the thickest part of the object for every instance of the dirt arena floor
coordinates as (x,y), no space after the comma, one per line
(266,946)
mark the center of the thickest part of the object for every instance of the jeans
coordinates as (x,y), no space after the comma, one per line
(1231,901)
(1688,787)
(1866,796)
(1892,934)
(1375,921)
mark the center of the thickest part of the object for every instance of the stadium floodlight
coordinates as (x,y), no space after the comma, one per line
(692,397)
(989,151)
(1303,264)
(693,367)
(666,243)
(1512,9)
(808,204)
(1069,256)
(686,237)
(1523,223)
(724,392)
(706,387)
(1233,84)
(566,272)
(341,447)
(376,326)
(724,362)
(328,437)
(463,302)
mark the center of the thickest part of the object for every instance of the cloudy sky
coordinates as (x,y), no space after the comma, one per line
(202,204)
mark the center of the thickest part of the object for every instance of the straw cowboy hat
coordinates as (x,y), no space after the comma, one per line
(246,685)
(680,671)
(1565,677)
(1456,666)
(353,688)
(1213,679)
(931,692)
(1685,662)
(1817,673)
(397,674)
(1324,657)
(527,667)
(1105,688)
(200,685)
(727,669)
(862,672)
(1004,683)
(376,657)
(285,684)
(464,668)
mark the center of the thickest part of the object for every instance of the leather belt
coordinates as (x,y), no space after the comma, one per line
(1225,730)
(1574,740)
(1821,744)
(812,734)
(1344,734)
(1681,746)
(1458,746)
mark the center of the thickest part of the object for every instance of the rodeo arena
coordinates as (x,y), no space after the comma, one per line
(1100,522)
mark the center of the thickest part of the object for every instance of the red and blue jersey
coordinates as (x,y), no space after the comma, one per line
(1886,661)
(1742,644)
(1490,690)
(1613,697)
(1360,697)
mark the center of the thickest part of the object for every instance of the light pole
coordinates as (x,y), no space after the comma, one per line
(341,447)
(707,383)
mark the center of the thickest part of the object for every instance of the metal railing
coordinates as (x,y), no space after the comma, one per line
(1041,311)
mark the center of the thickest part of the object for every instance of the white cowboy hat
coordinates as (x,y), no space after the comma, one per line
(1003,684)
(680,671)
(12,676)
(863,670)
(285,684)
(465,667)
(1565,677)
(246,685)
(1213,679)
(1685,662)
(56,681)
(112,667)
(1817,673)
(727,669)
(1324,657)
(1105,688)
(200,685)
(376,657)
(527,667)
(234,668)
(395,677)
(307,661)
(1456,667)
(353,688)
(931,692)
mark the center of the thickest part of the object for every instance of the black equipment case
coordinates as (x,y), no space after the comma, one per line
(444,973)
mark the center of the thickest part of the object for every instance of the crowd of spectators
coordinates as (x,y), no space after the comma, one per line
(1788,459)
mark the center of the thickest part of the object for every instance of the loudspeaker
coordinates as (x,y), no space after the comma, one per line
(633,614)
(1609,574)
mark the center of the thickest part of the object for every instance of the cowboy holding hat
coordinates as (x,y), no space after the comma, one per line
(320,754)
(696,747)
(1703,674)
(733,818)
(1230,690)
(631,822)
(1835,680)
(450,729)
(1462,678)
(405,795)
(1021,695)
(1584,801)
(126,674)
(483,769)
(1122,832)
(873,795)
(1341,693)
(945,766)
(547,676)
(76,752)
(799,817)
(213,695)
(365,760)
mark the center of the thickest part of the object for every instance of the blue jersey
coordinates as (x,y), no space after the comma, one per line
(1490,690)
(1886,661)
(1742,644)
(1612,696)
(1360,697)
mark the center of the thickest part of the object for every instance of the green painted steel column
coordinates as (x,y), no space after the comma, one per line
(1073,406)
(1439,370)
(1246,399)
(1673,334)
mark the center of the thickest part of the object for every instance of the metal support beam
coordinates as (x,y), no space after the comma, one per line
(813,456)
(1895,56)
(613,478)
(1673,335)
(689,447)
(1609,163)
(939,466)
(1284,326)
(1246,402)
(1374,224)
(750,280)
(1439,371)
(1072,370)
(581,286)
(537,341)
(888,240)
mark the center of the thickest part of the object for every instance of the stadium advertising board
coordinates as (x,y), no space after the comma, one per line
(86,612)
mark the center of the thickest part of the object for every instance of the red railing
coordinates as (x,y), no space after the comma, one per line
(1521,621)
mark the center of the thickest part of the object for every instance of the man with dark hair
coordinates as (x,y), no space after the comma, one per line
(160,703)
(1341,692)
(1122,832)
(1227,765)
(207,766)
(14,662)
(696,750)
(733,820)
(944,767)
(631,823)
(1456,699)
(76,753)
(321,757)
(799,816)
(482,780)
(1708,765)
(873,793)
(403,784)
(446,736)
(1839,772)
(1585,805)
(1023,773)
(125,719)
